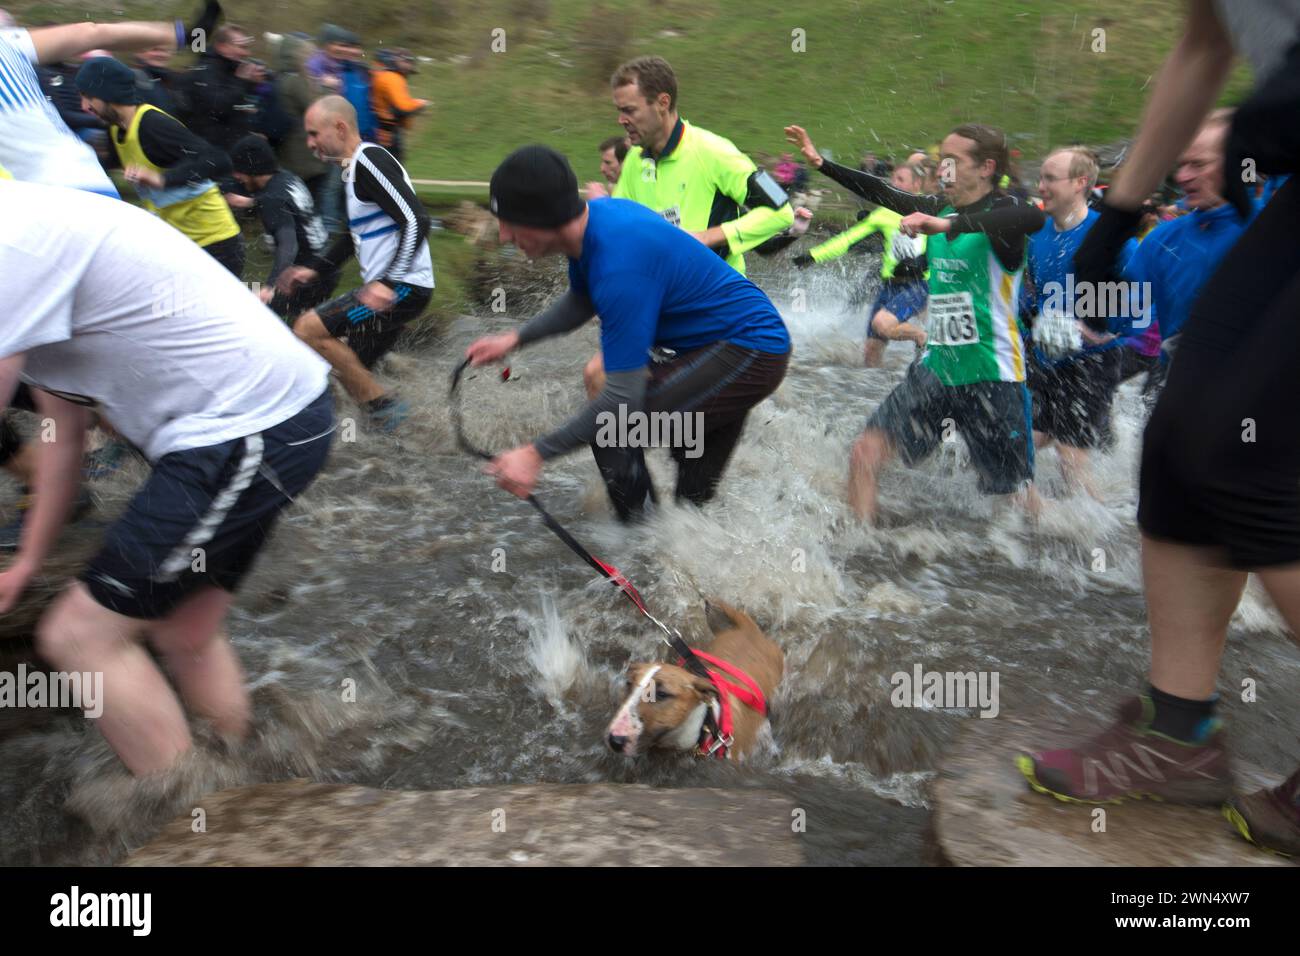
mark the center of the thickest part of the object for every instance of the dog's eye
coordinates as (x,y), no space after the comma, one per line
(661,694)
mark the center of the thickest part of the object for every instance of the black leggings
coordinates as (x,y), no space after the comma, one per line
(230,253)
(722,382)
(1221,455)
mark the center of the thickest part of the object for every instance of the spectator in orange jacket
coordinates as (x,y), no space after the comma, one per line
(391,97)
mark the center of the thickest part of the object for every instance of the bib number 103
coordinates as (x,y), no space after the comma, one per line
(952,320)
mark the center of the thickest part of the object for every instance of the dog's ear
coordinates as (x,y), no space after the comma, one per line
(719,618)
(705,688)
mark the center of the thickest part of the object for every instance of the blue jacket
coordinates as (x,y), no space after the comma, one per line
(1177,257)
(356,90)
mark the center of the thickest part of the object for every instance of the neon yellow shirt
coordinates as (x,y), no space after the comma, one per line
(701,180)
(884,221)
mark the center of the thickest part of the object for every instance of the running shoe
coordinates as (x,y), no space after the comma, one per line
(387,413)
(1129,760)
(1270,819)
(104,460)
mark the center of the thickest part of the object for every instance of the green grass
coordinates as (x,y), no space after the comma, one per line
(884,76)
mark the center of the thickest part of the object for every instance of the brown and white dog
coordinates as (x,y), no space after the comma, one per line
(666,704)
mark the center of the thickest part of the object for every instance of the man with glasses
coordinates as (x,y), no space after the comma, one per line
(1073,371)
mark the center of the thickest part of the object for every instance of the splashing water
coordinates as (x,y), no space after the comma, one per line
(479,651)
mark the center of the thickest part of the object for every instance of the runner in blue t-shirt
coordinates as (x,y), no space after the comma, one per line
(1074,372)
(681,332)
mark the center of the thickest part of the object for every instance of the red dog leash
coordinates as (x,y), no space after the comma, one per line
(716,736)
(671,636)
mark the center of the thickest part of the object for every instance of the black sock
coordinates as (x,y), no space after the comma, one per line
(1182,719)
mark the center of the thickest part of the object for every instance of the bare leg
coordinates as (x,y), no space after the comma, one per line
(142,720)
(359,383)
(875,353)
(593,376)
(1190,601)
(202,662)
(871,452)
(1030,500)
(885,324)
(1075,469)
(1283,586)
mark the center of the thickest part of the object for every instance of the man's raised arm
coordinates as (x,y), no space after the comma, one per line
(69,40)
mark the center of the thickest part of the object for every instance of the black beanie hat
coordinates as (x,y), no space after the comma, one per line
(102,77)
(535,186)
(253,156)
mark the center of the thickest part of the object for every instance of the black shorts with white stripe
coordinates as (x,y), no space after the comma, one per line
(371,334)
(204,513)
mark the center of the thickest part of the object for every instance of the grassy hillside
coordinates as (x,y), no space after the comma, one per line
(880,76)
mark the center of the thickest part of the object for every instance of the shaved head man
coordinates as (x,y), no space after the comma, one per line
(332,132)
(387,233)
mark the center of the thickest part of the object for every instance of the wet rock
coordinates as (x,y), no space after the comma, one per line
(986,815)
(299,823)
(474,222)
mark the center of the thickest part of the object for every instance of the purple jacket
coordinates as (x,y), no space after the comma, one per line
(321,65)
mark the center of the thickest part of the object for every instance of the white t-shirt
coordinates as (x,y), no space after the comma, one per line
(36,146)
(113,305)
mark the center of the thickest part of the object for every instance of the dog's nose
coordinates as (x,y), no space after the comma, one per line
(616,743)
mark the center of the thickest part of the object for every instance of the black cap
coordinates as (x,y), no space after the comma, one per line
(253,156)
(331,33)
(535,186)
(103,78)
(391,57)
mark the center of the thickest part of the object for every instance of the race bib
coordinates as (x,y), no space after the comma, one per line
(952,320)
(673,214)
(1057,334)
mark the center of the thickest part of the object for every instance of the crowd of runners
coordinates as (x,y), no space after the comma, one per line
(1026,315)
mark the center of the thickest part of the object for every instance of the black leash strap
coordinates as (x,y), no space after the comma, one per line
(607,571)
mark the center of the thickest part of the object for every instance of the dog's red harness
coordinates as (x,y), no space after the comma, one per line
(751,695)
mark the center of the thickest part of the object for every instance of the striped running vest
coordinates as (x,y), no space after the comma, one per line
(374,233)
(35,144)
(973,334)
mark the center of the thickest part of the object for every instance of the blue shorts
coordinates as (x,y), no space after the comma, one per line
(204,513)
(903,299)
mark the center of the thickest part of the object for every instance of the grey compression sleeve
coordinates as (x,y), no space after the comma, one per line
(621,388)
(563,315)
